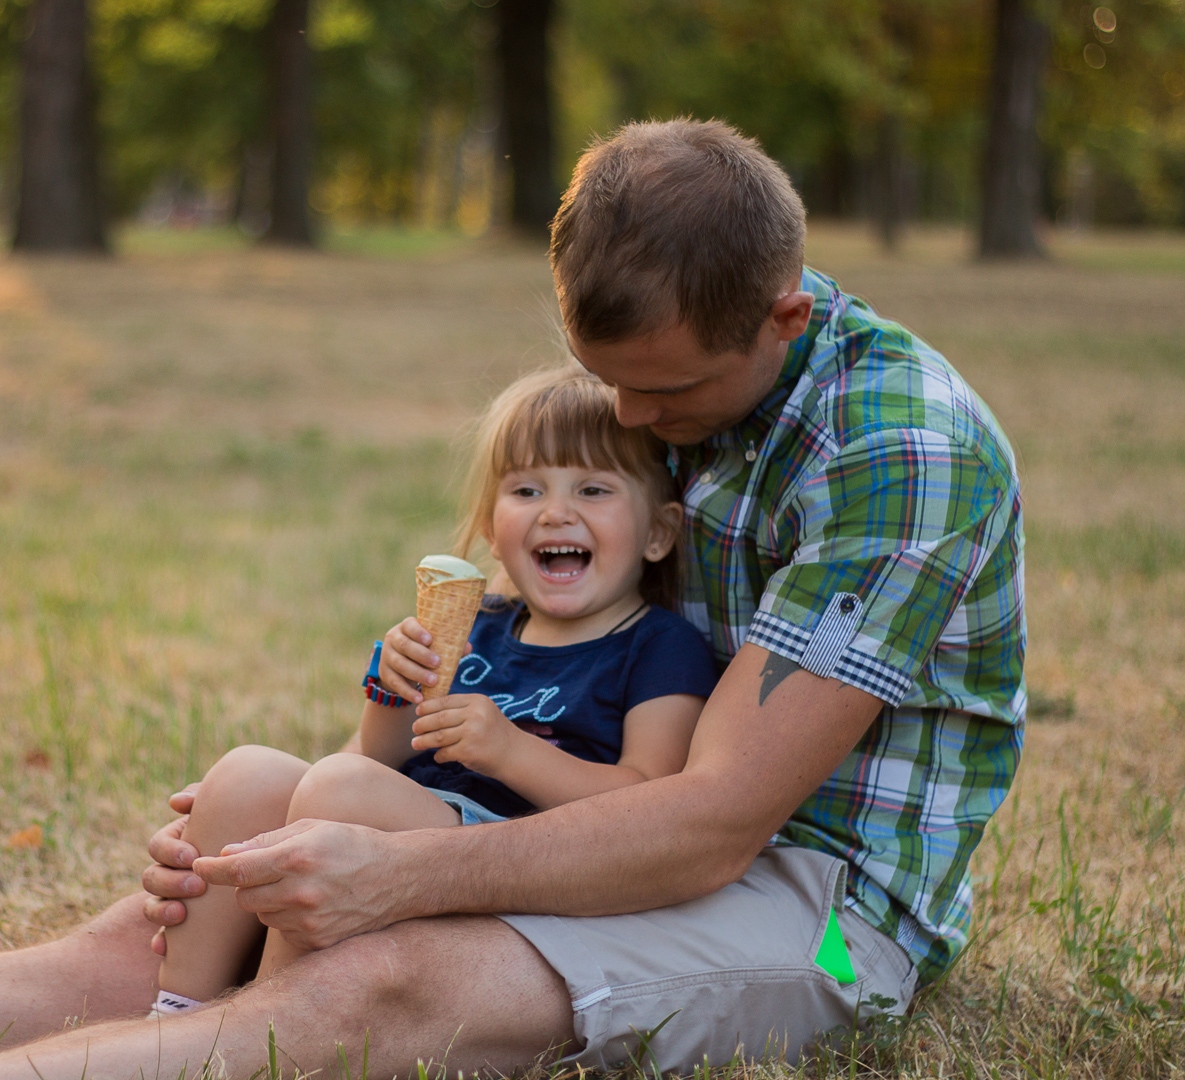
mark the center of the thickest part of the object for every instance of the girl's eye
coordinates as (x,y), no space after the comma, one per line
(525,492)
(594,489)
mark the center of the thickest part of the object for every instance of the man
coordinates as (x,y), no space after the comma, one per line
(854,541)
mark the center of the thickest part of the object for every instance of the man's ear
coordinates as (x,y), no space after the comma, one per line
(664,531)
(791,312)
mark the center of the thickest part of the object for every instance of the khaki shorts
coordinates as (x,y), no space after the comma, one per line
(736,968)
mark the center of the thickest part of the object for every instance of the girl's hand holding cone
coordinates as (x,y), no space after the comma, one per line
(420,655)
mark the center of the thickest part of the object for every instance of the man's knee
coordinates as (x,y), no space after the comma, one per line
(381,970)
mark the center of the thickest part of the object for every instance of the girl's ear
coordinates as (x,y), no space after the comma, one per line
(488,536)
(664,531)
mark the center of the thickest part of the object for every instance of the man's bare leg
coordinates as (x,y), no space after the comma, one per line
(103,969)
(466,986)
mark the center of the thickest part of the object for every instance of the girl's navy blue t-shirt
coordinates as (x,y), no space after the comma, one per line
(574,696)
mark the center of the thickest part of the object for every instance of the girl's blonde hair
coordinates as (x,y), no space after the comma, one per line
(563,417)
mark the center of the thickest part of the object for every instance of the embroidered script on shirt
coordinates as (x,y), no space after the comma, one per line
(528,712)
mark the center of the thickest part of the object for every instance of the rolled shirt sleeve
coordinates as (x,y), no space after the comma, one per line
(882,544)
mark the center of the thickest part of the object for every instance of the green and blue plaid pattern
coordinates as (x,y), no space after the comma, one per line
(865,522)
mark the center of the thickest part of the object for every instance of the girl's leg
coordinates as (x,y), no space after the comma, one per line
(357,789)
(245,793)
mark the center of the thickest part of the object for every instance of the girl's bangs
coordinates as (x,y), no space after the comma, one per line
(570,425)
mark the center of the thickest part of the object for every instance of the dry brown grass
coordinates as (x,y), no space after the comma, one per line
(217,468)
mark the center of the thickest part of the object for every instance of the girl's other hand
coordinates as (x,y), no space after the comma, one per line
(468,728)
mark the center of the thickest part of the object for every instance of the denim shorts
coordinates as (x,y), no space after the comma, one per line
(472,813)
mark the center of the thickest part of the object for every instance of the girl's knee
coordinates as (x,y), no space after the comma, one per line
(250,778)
(331,785)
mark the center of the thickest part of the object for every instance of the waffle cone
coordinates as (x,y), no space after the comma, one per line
(447,610)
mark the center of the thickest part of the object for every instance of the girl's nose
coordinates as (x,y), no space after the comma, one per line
(557,510)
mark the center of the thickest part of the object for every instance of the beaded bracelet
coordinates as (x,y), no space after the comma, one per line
(375,691)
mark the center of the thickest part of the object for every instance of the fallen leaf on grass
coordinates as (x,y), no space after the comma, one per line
(37,759)
(31,837)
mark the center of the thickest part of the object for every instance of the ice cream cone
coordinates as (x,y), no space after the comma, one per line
(446,606)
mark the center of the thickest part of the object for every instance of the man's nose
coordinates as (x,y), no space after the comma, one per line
(636,410)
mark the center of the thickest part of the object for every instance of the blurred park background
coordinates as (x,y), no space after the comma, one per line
(297,247)
(284,118)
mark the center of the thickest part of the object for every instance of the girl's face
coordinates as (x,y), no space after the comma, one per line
(573,539)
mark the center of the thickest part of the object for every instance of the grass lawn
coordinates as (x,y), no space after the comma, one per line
(218,467)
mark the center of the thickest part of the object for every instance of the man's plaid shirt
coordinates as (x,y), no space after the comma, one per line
(865,523)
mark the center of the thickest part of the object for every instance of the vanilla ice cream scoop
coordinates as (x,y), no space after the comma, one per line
(448,597)
(449,568)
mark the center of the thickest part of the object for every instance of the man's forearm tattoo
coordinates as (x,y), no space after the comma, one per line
(777,669)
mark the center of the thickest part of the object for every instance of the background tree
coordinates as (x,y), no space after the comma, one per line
(59,204)
(292,124)
(1012,158)
(523,55)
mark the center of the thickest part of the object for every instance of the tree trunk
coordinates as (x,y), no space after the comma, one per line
(292,125)
(1012,162)
(890,182)
(527,110)
(59,204)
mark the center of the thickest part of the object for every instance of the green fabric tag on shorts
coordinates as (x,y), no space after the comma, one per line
(833,956)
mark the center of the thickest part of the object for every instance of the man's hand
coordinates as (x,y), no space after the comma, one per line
(468,728)
(317,882)
(169,881)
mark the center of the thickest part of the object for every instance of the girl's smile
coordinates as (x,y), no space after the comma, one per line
(562,562)
(573,540)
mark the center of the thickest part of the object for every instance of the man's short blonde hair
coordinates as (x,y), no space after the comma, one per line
(677,222)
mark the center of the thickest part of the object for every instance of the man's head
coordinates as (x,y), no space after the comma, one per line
(676,252)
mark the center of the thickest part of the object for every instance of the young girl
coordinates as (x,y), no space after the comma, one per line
(582,681)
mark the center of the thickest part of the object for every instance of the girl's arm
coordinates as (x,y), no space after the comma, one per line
(469,728)
(385,733)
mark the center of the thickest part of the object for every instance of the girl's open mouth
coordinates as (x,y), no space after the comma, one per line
(562,562)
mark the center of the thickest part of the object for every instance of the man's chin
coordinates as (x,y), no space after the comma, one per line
(680,434)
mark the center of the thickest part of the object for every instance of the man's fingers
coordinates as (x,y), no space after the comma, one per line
(281,904)
(271,839)
(259,861)
(162,913)
(158,942)
(243,869)
(171,884)
(168,849)
(182,801)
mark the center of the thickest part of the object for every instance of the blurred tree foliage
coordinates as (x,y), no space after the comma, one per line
(406,109)
(816,81)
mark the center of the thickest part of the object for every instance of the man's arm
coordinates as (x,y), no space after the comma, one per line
(767,738)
